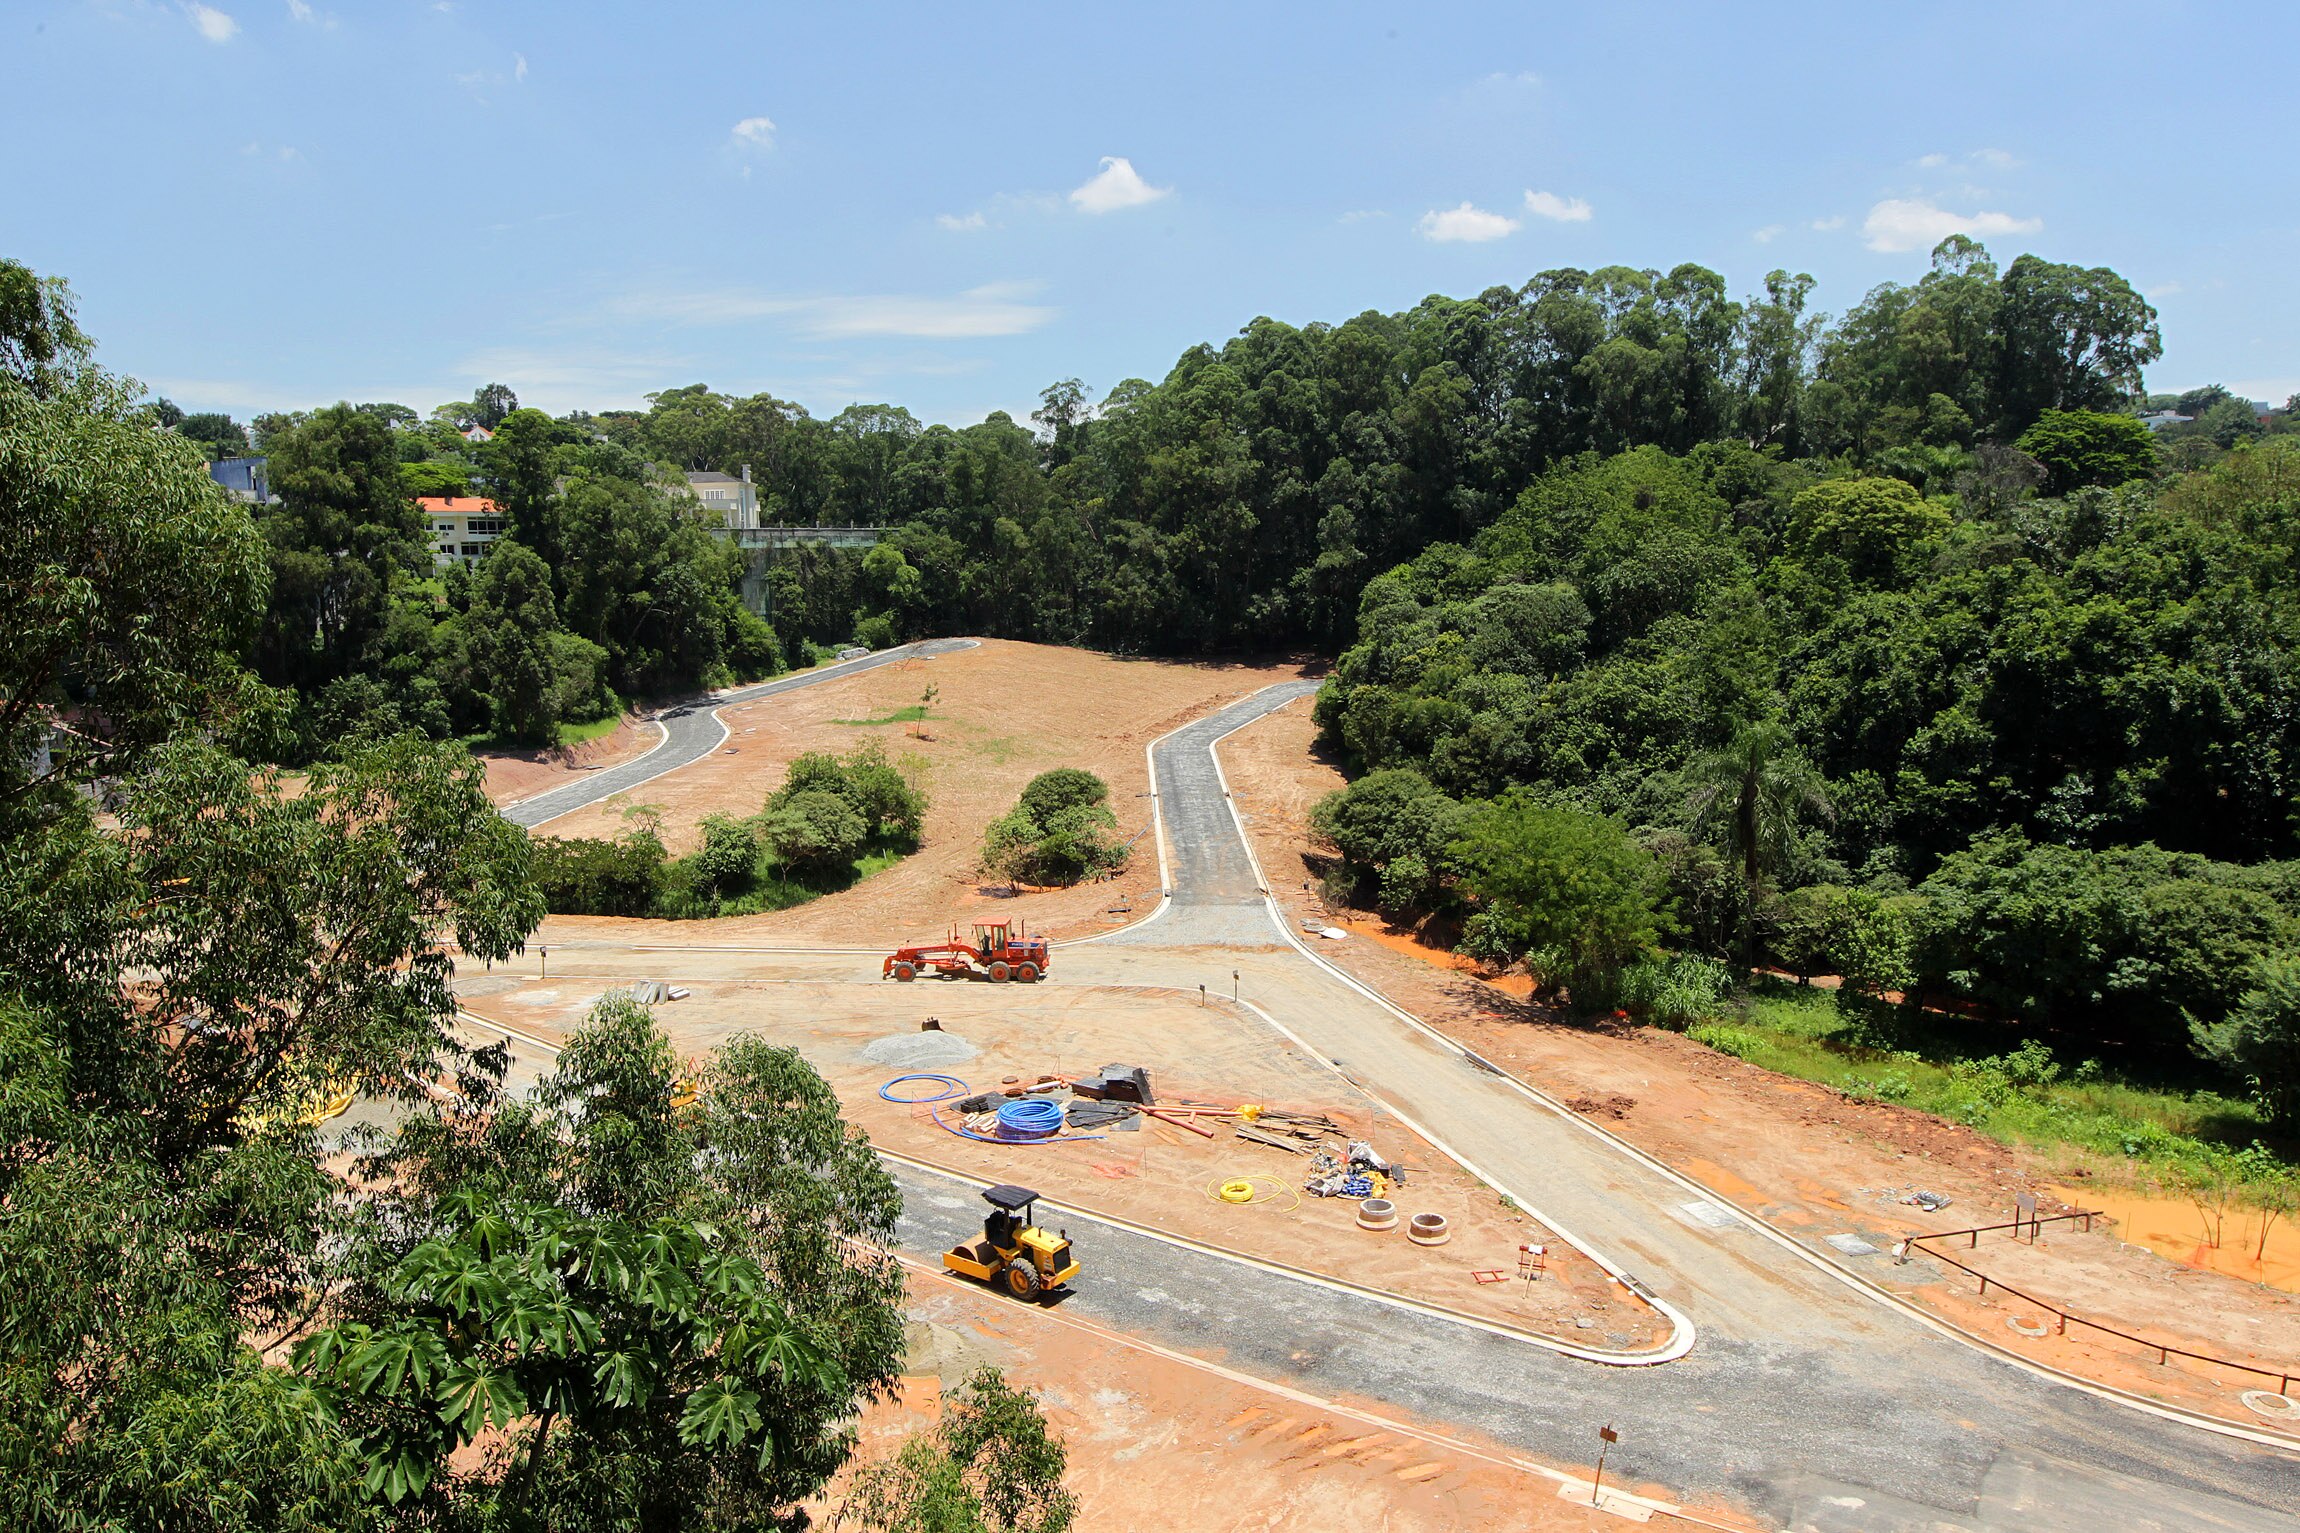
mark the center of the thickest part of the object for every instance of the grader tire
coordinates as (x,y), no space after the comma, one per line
(998,973)
(905,972)
(1027,973)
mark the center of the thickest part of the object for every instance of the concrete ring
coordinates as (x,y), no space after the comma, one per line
(1428,1230)
(2271,1405)
(2027,1327)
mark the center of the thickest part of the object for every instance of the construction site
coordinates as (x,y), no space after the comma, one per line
(1291,1219)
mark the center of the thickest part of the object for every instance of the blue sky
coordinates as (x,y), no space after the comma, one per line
(267,204)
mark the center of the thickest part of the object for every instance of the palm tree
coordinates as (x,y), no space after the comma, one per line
(1752,791)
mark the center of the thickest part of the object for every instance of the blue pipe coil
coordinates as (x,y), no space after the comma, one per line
(951,1086)
(1030,1118)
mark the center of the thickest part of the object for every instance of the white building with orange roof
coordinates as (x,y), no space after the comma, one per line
(461,526)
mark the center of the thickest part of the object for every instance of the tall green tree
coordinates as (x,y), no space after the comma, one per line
(2084,448)
(1754,794)
(343,533)
(2071,338)
(131,582)
(1570,893)
(510,626)
(673,1308)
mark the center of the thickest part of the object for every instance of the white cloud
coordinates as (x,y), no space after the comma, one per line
(299,10)
(1769,233)
(1909,223)
(757,133)
(2163,290)
(1464,225)
(993,310)
(1833,221)
(1979,159)
(1565,210)
(519,67)
(214,25)
(1363,215)
(1115,186)
(961,223)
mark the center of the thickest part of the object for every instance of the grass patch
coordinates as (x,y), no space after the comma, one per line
(597,729)
(569,734)
(2014,1091)
(914,714)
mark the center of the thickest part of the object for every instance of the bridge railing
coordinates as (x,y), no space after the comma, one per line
(771,538)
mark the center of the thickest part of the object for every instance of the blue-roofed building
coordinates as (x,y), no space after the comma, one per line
(242,479)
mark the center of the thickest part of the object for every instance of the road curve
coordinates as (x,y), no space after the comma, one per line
(1814,1402)
(693,731)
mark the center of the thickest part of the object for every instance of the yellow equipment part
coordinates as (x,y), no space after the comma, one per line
(309,1108)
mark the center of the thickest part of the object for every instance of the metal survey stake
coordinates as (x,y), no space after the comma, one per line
(1606,1438)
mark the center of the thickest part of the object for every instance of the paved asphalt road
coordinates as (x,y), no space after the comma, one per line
(1810,1403)
(691,732)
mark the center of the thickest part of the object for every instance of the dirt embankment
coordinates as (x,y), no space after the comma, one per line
(1808,1159)
(1002,713)
(515,775)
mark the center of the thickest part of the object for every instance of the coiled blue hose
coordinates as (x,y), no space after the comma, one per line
(1030,1118)
(951,1084)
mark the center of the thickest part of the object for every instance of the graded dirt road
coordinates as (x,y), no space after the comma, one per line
(692,731)
(1804,1400)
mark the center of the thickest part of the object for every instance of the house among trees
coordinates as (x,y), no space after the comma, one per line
(736,499)
(243,480)
(460,526)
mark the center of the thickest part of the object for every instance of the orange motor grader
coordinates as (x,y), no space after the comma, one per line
(996,953)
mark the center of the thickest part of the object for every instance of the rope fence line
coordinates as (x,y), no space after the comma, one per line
(2031,1223)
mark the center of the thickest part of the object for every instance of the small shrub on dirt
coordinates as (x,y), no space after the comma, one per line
(1673,989)
(1060,831)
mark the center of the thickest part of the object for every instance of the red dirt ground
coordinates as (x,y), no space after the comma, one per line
(1005,712)
(1160,1174)
(1161,1440)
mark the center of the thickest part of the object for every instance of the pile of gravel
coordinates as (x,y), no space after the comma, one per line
(919,1051)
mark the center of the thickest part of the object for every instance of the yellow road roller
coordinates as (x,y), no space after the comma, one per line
(1029,1261)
